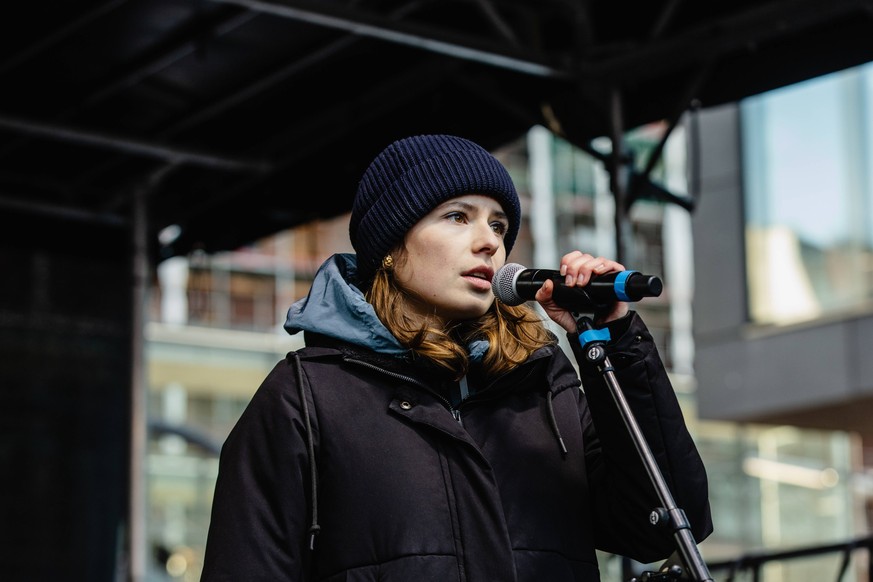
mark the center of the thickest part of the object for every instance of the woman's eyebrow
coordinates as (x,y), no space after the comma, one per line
(471,207)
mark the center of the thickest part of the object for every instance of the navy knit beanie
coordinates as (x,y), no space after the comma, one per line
(411,177)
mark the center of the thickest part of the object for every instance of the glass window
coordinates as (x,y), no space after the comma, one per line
(775,488)
(809,201)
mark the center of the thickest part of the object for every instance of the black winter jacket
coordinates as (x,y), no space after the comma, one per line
(409,489)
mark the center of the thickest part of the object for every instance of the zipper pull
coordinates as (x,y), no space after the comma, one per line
(464,387)
(457,416)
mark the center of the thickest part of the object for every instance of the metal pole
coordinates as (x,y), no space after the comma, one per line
(617,173)
(668,514)
(138,399)
(141,271)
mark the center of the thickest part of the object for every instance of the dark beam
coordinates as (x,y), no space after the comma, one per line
(64,212)
(129,145)
(54,38)
(323,129)
(717,38)
(367,24)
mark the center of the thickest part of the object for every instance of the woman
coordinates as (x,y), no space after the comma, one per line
(430,433)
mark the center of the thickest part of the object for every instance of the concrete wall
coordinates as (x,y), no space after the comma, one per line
(748,372)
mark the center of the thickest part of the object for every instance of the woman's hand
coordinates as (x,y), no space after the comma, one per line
(578,268)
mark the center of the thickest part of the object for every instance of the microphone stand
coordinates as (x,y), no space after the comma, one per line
(668,515)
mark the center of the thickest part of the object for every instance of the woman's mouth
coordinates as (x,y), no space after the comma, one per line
(479,278)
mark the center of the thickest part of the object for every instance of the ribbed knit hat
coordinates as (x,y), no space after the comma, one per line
(411,177)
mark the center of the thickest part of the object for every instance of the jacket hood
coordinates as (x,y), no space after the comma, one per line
(335,307)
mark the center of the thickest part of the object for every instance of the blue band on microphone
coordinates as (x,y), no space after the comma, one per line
(619,285)
(594,335)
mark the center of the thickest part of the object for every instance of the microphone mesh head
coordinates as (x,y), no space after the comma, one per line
(503,284)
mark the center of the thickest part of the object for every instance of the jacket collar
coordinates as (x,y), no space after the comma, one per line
(559,372)
(336,307)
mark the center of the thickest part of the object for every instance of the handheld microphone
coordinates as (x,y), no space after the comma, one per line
(514,284)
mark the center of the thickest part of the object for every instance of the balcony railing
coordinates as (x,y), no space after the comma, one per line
(752,563)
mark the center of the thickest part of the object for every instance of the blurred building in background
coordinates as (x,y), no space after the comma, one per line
(783,308)
(215,326)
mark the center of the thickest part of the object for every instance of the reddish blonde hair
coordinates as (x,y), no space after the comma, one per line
(513,333)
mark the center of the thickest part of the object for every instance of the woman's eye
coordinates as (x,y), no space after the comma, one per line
(499,227)
(455,217)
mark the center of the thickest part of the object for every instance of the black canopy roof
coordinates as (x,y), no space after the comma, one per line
(234,119)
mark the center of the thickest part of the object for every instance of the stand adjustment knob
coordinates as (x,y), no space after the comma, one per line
(659,516)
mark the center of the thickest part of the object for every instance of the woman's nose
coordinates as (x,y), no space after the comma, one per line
(486,239)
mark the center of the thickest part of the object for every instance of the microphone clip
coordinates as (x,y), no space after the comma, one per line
(592,340)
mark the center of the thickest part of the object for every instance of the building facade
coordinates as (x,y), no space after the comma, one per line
(783,306)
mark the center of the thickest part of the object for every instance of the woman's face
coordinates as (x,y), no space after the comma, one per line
(450,256)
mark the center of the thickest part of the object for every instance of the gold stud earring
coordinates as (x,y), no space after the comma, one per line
(388,262)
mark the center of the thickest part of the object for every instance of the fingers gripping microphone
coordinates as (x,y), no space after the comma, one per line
(514,284)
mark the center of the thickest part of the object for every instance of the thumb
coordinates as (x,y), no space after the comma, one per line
(544,293)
